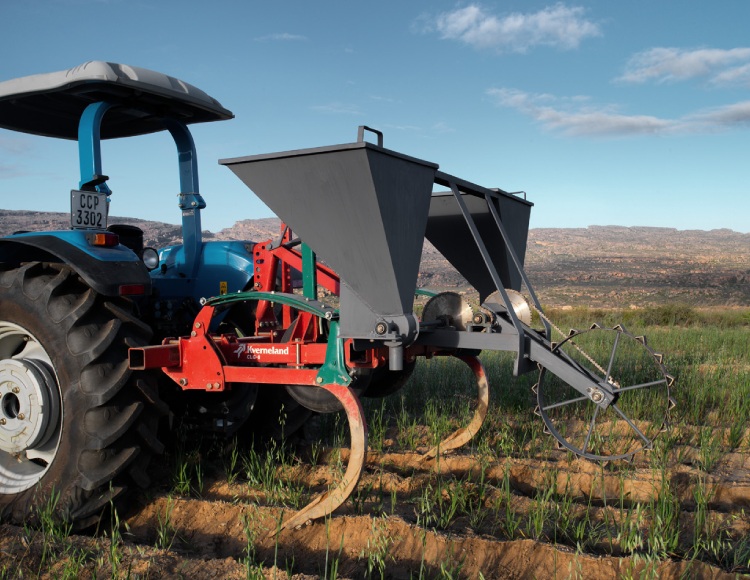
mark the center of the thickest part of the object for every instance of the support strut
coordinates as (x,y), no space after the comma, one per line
(330,500)
(465,434)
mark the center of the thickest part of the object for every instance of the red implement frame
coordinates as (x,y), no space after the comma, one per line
(290,347)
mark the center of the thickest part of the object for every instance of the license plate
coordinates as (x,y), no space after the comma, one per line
(88,210)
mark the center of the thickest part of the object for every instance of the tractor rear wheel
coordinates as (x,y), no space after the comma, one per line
(73,417)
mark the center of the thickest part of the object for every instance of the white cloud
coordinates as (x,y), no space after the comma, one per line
(411,128)
(338,108)
(382,99)
(14,145)
(723,117)
(739,75)
(438,128)
(17,145)
(574,116)
(441,128)
(558,26)
(665,64)
(11,170)
(282,36)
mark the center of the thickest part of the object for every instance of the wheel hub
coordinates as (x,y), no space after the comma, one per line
(27,409)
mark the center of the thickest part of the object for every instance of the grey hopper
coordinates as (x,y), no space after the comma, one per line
(448,231)
(361,207)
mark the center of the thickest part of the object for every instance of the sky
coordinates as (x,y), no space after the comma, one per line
(605,113)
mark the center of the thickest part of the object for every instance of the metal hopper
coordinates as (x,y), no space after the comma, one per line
(449,231)
(363,209)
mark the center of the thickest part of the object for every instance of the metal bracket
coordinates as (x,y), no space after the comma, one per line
(334,371)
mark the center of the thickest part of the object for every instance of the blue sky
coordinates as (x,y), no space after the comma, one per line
(605,113)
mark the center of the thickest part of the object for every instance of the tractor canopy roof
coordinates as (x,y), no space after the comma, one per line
(51,104)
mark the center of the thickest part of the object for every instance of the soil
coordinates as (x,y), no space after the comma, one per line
(226,530)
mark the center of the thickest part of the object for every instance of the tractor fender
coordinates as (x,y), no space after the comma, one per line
(105,269)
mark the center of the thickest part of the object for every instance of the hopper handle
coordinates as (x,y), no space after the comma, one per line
(361,134)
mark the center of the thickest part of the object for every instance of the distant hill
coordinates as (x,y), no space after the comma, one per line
(623,266)
(598,266)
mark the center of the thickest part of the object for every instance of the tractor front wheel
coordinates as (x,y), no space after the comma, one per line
(73,417)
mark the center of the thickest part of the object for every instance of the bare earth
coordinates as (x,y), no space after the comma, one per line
(208,536)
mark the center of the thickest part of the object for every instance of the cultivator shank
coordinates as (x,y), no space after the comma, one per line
(366,211)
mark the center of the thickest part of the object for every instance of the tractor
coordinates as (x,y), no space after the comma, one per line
(103,341)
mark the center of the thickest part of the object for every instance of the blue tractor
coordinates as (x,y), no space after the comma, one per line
(75,419)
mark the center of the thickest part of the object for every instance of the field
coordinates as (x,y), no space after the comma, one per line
(509,505)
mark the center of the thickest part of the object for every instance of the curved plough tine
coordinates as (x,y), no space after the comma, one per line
(327,502)
(466,434)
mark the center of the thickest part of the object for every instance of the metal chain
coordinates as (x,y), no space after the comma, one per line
(578,348)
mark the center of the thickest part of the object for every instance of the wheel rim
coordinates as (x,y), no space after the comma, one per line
(639,380)
(30,409)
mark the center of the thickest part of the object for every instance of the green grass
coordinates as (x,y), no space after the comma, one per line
(707,353)
(705,350)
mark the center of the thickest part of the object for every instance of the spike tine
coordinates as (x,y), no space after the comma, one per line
(463,435)
(659,357)
(642,340)
(535,388)
(594,326)
(537,411)
(572,332)
(620,328)
(672,403)
(670,380)
(546,430)
(327,502)
(558,445)
(553,345)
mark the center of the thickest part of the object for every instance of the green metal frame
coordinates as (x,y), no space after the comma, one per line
(334,369)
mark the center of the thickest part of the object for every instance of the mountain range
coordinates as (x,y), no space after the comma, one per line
(598,266)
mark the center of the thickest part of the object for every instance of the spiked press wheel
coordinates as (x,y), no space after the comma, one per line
(618,362)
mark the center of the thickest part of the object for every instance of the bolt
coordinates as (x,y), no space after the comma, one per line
(183,382)
(597,396)
(197,325)
(381,328)
(21,416)
(319,380)
(209,386)
(3,421)
(216,386)
(193,333)
(16,390)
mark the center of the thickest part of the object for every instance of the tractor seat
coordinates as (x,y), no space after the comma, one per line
(51,104)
